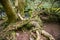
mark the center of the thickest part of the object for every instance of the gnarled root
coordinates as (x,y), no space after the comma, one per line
(37,29)
(40,31)
(38,35)
(46,34)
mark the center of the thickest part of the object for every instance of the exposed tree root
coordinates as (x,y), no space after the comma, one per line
(38,35)
(35,28)
(46,34)
(13,27)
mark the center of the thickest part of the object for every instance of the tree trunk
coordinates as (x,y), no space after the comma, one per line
(21,6)
(11,14)
(35,23)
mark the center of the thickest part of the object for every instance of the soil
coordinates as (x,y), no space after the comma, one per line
(52,28)
(22,35)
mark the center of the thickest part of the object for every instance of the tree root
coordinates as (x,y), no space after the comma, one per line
(46,34)
(11,27)
(38,35)
(38,30)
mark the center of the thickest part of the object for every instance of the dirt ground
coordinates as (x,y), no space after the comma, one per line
(52,28)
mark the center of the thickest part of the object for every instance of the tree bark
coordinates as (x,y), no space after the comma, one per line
(21,7)
(11,14)
(12,17)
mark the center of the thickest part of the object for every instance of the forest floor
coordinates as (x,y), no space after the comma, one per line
(52,28)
